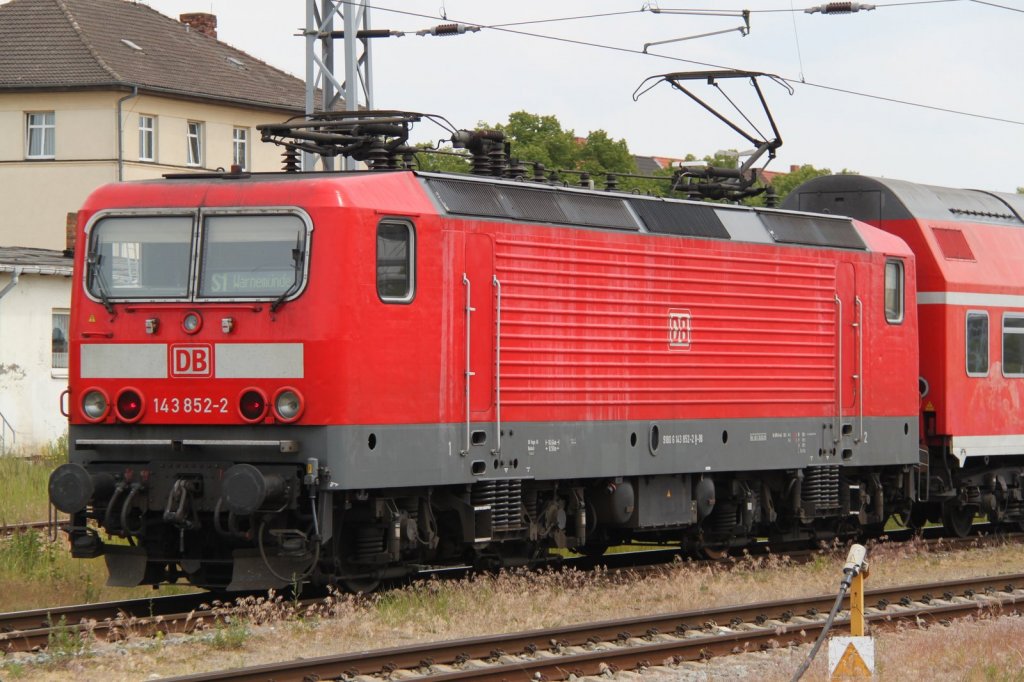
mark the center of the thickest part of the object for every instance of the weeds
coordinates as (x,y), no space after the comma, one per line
(23,495)
(65,642)
(230,634)
(55,453)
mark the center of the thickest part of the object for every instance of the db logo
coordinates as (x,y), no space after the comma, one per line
(679,329)
(192,360)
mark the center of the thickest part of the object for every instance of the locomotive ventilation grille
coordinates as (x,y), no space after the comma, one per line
(532,204)
(821,489)
(505,498)
(683,219)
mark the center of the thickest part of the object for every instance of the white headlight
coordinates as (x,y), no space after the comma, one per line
(94,404)
(288,404)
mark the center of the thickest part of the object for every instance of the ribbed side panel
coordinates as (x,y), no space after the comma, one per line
(599,326)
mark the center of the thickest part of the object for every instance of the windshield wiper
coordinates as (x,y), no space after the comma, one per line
(297,265)
(96,277)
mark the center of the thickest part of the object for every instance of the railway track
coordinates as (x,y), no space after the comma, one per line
(32,630)
(39,526)
(639,642)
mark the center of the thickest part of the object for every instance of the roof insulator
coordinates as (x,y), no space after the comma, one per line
(840,8)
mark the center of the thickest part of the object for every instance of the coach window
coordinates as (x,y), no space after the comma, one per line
(1013,345)
(894,291)
(396,261)
(977,343)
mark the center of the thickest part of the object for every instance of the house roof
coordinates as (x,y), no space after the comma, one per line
(646,165)
(34,261)
(88,44)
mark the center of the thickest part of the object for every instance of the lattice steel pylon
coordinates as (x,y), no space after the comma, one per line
(356,90)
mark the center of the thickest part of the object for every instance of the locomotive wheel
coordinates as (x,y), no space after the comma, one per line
(593,551)
(713,551)
(915,519)
(361,584)
(958,520)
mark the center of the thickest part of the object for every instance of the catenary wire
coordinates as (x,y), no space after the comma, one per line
(796,39)
(797,81)
(992,4)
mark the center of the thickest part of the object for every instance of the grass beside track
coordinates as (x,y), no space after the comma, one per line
(33,571)
(434,610)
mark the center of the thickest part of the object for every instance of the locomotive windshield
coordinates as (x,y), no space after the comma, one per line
(252,256)
(140,257)
(239,255)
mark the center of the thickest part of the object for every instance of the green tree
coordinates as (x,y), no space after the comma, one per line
(786,183)
(539,139)
(447,161)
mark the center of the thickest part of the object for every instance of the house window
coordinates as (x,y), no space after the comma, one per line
(147,138)
(894,291)
(395,261)
(59,343)
(977,343)
(1013,345)
(240,142)
(40,135)
(195,144)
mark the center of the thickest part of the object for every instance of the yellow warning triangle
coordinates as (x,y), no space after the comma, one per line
(851,666)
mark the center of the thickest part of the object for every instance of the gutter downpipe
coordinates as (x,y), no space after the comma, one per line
(120,132)
(5,425)
(15,275)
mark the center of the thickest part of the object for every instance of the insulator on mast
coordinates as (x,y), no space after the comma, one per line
(840,8)
(447,30)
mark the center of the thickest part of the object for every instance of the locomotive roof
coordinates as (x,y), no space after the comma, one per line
(489,198)
(886,199)
(494,198)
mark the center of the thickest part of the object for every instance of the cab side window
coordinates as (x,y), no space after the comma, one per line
(894,291)
(977,343)
(396,261)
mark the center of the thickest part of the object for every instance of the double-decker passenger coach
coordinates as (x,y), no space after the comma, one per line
(969,246)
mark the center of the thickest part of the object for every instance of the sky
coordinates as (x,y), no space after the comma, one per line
(962,55)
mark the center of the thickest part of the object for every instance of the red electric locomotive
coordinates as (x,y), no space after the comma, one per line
(969,246)
(338,377)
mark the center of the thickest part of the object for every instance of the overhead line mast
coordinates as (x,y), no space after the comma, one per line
(357,86)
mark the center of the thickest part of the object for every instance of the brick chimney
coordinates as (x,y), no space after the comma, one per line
(70,231)
(203,22)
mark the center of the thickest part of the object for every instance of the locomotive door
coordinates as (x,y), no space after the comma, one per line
(480,295)
(848,356)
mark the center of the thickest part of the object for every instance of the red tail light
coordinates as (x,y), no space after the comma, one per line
(129,405)
(252,405)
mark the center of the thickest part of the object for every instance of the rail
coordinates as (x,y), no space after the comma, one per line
(5,427)
(633,643)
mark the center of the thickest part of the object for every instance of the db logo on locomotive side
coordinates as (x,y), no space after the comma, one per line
(191,360)
(679,329)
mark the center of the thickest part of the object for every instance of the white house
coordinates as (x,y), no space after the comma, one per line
(92,92)
(34,299)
